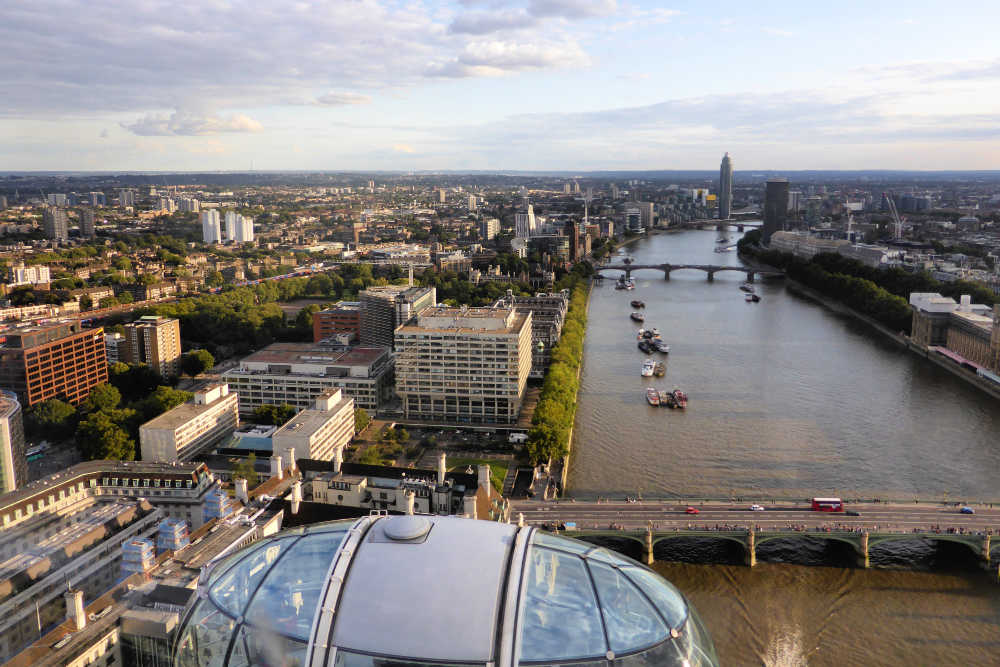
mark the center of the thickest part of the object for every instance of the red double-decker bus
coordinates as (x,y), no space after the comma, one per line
(827,505)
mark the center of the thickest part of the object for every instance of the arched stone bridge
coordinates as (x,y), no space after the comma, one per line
(709,269)
(750,539)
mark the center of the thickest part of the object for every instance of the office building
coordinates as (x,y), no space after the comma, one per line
(156,342)
(211,231)
(488,229)
(55,224)
(191,428)
(383,309)
(36,274)
(548,312)
(726,187)
(464,364)
(775,207)
(436,590)
(344,317)
(61,360)
(13,460)
(524,222)
(87,227)
(319,432)
(633,220)
(297,373)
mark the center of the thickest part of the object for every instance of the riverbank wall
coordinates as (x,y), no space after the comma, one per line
(899,339)
(564,463)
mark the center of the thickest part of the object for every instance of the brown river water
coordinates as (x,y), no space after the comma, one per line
(790,399)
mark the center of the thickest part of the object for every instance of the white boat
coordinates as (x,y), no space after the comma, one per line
(661,346)
(647,368)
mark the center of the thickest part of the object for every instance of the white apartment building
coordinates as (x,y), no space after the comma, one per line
(28,275)
(211,229)
(190,428)
(320,432)
(239,229)
(465,365)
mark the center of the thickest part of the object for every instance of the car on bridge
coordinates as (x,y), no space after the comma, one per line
(691,510)
(967,510)
(756,508)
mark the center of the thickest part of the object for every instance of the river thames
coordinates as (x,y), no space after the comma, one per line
(788,399)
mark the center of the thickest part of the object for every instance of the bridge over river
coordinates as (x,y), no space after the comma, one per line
(710,269)
(651,522)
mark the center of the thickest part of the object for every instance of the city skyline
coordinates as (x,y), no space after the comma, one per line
(481,85)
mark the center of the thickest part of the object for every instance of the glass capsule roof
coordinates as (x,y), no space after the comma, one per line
(435,590)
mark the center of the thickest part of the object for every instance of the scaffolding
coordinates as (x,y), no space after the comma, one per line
(216,505)
(172,535)
(138,556)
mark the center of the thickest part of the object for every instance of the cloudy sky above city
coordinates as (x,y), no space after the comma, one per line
(496,85)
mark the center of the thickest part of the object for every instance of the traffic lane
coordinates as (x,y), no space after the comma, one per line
(633,509)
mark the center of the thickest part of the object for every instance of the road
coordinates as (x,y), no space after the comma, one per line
(669,515)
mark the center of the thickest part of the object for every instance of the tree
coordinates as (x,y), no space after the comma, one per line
(137,381)
(162,399)
(86,303)
(51,419)
(274,415)
(214,279)
(402,435)
(371,456)
(246,469)
(109,302)
(102,397)
(197,362)
(125,297)
(304,319)
(100,437)
(361,420)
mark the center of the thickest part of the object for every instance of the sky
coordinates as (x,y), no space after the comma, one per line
(206,85)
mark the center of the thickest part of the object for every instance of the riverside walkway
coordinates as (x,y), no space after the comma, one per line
(652,521)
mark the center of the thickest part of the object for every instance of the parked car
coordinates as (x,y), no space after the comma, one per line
(691,510)
(967,510)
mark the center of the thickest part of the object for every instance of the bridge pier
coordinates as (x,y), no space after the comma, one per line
(865,561)
(986,549)
(711,276)
(666,274)
(751,276)
(739,228)
(647,552)
(751,548)
(628,275)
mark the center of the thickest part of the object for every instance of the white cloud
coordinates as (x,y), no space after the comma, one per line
(182,123)
(498,57)
(342,98)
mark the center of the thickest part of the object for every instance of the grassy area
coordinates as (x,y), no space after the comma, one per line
(498,469)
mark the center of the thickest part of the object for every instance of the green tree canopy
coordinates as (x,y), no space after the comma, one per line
(197,362)
(361,420)
(102,397)
(51,419)
(162,399)
(275,415)
(246,469)
(137,381)
(100,437)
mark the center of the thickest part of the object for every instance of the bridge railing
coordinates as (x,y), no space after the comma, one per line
(774,500)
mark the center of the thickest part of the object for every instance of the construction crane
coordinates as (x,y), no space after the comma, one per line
(897,222)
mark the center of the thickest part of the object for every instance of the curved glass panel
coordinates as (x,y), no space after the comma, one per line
(232,590)
(286,601)
(667,599)
(349,659)
(610,557)
(630,619)
(544,539)
(255,647)
(561,619)
(206,639)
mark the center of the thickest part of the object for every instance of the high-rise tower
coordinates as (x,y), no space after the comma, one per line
(775,207)
(725,187)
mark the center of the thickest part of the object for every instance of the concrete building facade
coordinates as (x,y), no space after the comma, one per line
(191,428)
(775,207)
(319,432)
(465,365)
(13,461)
(725,187)
(343,317)
(155,341)
(385,308)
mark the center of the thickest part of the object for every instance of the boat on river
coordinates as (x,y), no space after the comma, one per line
(638,317)
(661,346)
(644,346)
(747,287)
(638,304)
(655,332)
(667,399)
(659,369)
(647,368)
(653,396)
(680,398)
(754,298)
(724,239)
(748,298)
(723,249)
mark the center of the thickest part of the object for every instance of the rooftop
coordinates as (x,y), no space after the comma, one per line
(183,413)
(310,353)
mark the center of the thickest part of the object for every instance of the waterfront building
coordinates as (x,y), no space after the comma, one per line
(344,317)
(488,229)
(154,341)
(725,187)
(87,227)
(318,432)
(44,361)
(633,220)
(775,207)
(464,364)
(296,373)
(35,274)
(548,312)
(13,462)
(211,231)
(191,428)
(971,331)
(453,591)
(805,245)
(55,224)
(646,214)
(385,308)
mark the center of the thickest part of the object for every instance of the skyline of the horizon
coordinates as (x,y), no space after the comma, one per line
(491,85)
